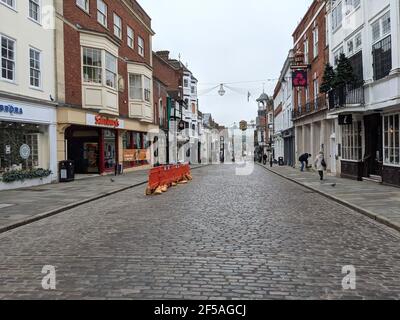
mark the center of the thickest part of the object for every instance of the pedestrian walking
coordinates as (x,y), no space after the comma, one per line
(320,165)
(265,158)
(304,161)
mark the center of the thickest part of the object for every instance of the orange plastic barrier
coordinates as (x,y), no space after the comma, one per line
(167,175)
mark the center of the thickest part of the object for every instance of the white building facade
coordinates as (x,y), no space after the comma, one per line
(283,104)
(367,120)
(27,88)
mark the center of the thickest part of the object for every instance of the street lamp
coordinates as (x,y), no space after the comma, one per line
(221,90)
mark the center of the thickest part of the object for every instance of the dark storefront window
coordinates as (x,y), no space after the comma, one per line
(382,55)
(110,150)
(13,136)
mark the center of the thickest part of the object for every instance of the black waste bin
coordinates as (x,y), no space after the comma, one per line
(281,162)
(66,171)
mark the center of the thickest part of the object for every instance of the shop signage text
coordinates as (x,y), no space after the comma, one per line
(8,108)
(103,121)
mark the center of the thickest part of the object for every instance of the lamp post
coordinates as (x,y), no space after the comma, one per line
(233,142)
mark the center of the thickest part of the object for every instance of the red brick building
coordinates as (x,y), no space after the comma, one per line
(313,129)
(104,84)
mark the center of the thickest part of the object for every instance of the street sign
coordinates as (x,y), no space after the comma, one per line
(8,149)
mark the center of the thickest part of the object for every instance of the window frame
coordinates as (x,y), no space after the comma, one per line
(38,70)
(108,71)
(14,61)
(13,7)
(102,14)
(336,24)
(87,6)
(93,66)
(141,46)
(315,42)
(130,38)
(389,146)
(117,28)
(352,142)
(39,13)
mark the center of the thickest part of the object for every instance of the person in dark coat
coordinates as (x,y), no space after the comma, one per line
(304,161)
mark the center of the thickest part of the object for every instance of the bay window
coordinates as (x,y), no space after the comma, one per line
(92,65)
(139,87)
(96,63)
(352,142)
(111,70)
(135,87)
(391,139)
(147,91)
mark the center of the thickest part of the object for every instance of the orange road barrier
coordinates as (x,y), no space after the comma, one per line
(163,177)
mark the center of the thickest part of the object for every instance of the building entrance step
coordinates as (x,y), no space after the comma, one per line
(373,178)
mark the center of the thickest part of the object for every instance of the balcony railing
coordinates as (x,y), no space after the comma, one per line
(309,108)
(349,96)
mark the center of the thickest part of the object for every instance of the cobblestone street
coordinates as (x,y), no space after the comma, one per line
(221,236)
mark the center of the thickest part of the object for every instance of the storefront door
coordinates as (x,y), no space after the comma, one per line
(373,160)
(84,149)
(110,150)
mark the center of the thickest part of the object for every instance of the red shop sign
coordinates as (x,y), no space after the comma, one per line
(299,78)
(103,121)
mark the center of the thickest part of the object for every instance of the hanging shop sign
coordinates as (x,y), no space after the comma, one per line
(299,78)
(25,151)
(181,125)
(243,125)
(103,121)
(345,119)
(11,109)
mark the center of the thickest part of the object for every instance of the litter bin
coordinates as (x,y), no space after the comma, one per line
(66,171)
(281,162)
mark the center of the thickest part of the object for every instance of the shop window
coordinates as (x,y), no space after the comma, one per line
(391,139)
(351,142)
(12,137)
(110,150)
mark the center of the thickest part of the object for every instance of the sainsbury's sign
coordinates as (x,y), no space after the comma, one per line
(104,121)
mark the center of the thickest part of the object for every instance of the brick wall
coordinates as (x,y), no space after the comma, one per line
(88,21)
(317,65)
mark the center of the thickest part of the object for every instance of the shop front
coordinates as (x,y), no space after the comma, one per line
(101,144)
(27,144)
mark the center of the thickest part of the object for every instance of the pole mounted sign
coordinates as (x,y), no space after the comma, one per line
(299,78)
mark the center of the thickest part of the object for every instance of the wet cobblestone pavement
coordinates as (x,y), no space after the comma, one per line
(222,236)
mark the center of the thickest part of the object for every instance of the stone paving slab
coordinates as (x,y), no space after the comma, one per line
(378,201)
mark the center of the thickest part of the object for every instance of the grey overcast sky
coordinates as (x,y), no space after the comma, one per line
(228,41)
